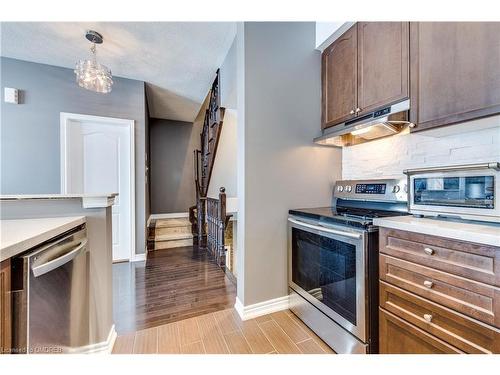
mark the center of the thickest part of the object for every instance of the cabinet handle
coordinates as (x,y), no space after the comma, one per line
(352,112)
(358,110)
(428,317)
(429,251)
(428,284)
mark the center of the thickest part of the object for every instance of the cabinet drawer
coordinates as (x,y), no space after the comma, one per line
(473,261)
(471,298)
(459,330)
(400,337)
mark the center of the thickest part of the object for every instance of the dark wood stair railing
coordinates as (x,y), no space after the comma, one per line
(204,162)
(217,222)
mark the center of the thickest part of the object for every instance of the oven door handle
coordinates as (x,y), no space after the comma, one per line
(327,230)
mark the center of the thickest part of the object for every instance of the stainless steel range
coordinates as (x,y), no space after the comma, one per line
(333,262)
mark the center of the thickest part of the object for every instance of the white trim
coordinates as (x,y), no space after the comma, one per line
(335,35)
(261,308)
(65,117)
(168,216)
(103,347)
(99,202)
(138,257)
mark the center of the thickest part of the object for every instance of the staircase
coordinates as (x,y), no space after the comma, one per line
(204,162)
(170,233)
(177,232)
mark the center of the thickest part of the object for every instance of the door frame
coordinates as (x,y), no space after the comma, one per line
(65,119)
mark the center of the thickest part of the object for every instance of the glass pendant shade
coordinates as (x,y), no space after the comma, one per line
(92,75)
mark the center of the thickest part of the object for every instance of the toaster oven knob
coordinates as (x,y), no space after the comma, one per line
(340,188)
(348,188)
(396,189)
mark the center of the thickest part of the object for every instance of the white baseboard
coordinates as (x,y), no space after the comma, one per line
(261,308)
(138,257)
(168,216)
(104,347)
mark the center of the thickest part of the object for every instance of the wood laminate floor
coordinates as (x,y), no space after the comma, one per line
(223,332)
(171,285)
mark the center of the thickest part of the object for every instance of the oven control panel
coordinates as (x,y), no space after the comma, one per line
(370,188)
(373,190)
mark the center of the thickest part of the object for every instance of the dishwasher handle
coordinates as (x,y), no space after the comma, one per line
(44,268)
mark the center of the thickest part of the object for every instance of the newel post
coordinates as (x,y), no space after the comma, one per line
(202,234)
(222,224)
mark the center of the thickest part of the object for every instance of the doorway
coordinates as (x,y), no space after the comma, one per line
(97,157)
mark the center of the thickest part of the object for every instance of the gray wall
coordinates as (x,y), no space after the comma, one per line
(172,178)
(228,87)
(279,167)
(30,156)
(224,173)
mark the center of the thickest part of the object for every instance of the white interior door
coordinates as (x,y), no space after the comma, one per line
(98,159)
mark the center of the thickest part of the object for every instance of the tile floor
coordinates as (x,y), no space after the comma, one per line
(223,332)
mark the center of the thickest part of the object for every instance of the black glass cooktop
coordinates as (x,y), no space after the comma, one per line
(355,217)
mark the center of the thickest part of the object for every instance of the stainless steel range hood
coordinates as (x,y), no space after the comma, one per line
(380,123)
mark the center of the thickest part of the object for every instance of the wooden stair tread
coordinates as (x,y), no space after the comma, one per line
(170,223)
(162,245)
(173,237)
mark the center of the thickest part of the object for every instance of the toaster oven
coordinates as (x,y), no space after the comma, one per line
(469,192)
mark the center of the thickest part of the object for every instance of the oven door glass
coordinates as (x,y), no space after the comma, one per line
(330,270)
(472,191)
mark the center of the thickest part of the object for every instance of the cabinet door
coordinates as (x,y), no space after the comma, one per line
(5,307)
(382,64)
(455,73)
(338,70)
(399,337)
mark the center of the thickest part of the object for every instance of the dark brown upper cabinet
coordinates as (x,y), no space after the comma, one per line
(366,68)
(455,72)
(382,64)
(339,84)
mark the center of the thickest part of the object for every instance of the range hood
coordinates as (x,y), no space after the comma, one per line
(380,123)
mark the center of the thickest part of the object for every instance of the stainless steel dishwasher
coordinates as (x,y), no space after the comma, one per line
(51,296)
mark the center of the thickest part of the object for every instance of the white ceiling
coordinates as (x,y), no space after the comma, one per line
(178,60)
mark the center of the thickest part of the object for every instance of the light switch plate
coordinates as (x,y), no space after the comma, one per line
(11,95)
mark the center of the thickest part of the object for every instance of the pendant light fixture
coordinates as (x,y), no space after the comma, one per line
(90,74)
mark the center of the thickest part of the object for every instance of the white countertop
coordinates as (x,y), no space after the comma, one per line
(483,233)
(88,200)
(17,236)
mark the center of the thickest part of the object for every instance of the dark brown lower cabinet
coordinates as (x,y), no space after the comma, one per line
(477,300)
(5,307)
(437,295)
(458,330)
(399,337)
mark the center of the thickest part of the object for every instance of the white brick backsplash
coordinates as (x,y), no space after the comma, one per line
(471,142)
